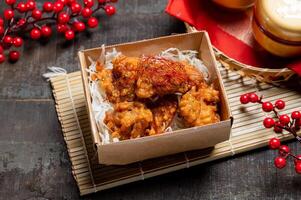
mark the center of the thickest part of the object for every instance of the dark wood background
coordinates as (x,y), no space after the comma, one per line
(34,162)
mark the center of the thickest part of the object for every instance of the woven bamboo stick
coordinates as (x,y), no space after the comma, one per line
(92,177)
(261,74)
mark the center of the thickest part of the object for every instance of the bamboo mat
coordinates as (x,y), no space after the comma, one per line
(247,133)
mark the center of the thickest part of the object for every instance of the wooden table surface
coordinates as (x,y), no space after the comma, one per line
(34,162)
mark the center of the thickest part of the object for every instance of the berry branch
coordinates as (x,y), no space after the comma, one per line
(283,122)
(70,17)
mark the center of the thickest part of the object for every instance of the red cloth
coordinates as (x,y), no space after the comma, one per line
(230,32)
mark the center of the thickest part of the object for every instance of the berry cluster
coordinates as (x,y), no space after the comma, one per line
(25,16)
(278,123)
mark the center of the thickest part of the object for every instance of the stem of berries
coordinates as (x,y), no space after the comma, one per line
(70,17)
(283,122)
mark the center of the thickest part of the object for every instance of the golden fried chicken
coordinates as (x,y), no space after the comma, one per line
(128,120)
(195,76)
(125,73)
(160,76)
(164,110)
(198,106)
(134,80)
(105,78)
(208,94)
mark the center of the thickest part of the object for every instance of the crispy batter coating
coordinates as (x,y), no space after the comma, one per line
(105,78)
(195,76)
(164,110)
(198,106)
(146,77)
(119,83)
(128,120)
(134,80)
(125,73)
(160,76)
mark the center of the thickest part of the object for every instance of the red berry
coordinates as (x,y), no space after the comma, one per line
(46,31)
(35,33)
(114,1)
(102,1)
(267,106)
(298,168)
(48,7)
(1,21)
(280,162)
(87,12)
(63,18)
(36,14)
(280,104)
(284,119)
(296,115)
(10,2)
(69,35)
(76,7)
(298,159)
(277,127)
(284,150)
(14,56)
(79,26)
(58,7)
(88,3)
(63,1)
(274,143)
(2,58)
(17,42)
(8,39)
(8,14)
(253,98)
(70,2)
(21,22)
(21,7)
(92,22)
(268,122)
(1,49)
(244,99)
(1,30)
(110,10)
(31,5)
(62,28)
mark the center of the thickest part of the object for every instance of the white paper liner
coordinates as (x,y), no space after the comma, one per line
(100,104)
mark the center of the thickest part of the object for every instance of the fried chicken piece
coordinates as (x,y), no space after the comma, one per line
(125,73)
(163,110)
(198,106)
(209,94)
(160,76)
(128,120)
(105,78)
(195,76)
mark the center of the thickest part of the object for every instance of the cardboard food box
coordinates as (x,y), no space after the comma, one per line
(133,150)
